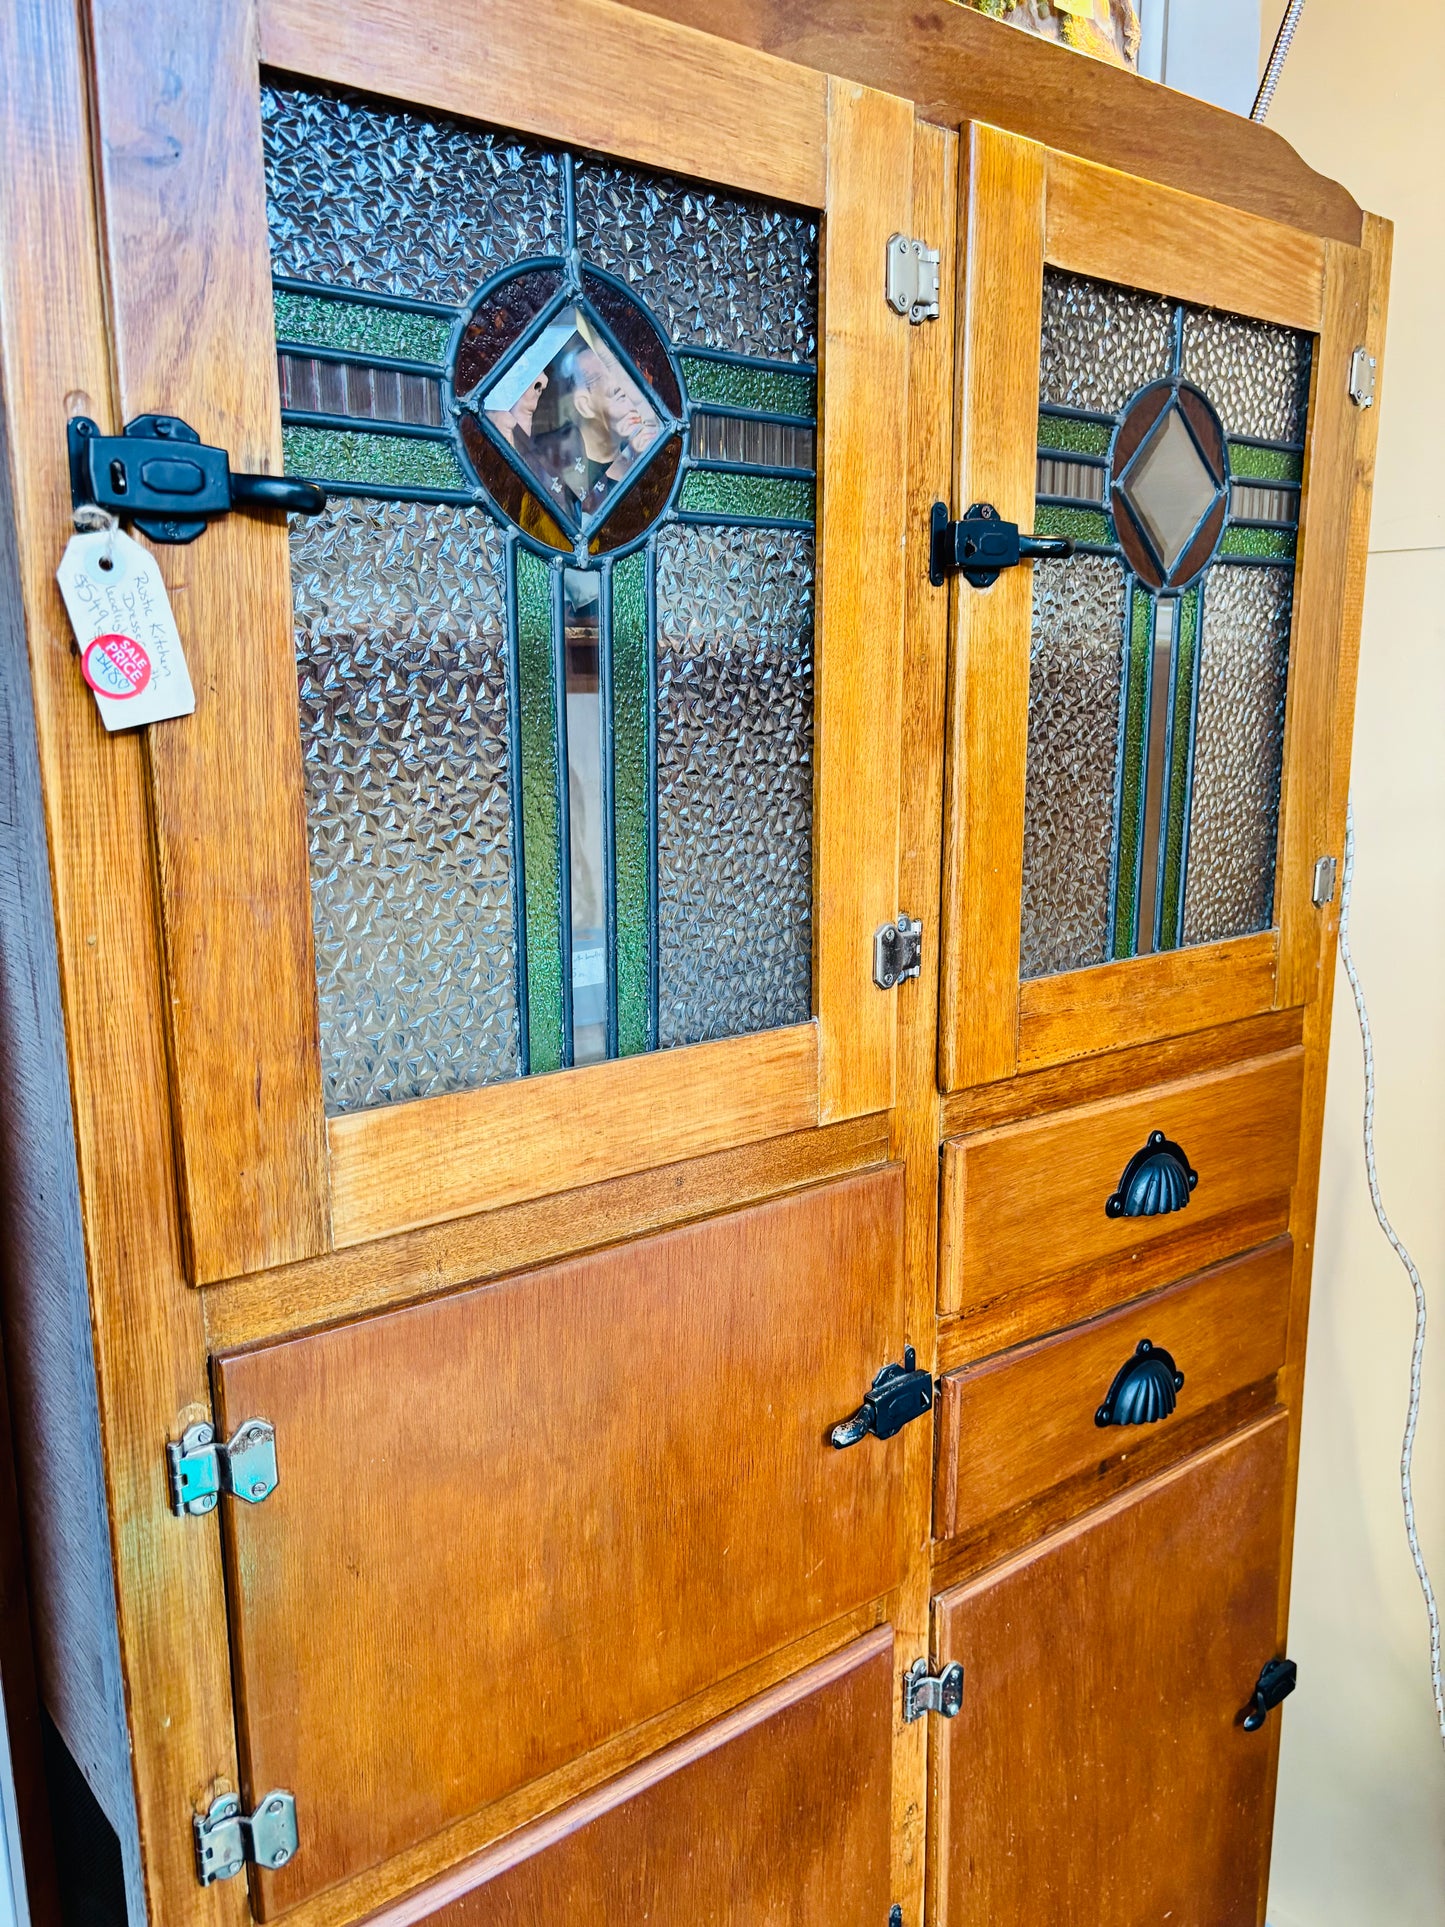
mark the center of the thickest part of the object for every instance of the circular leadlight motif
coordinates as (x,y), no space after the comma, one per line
(569,407)
(1169,483)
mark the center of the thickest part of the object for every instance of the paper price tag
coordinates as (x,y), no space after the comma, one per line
(130,648)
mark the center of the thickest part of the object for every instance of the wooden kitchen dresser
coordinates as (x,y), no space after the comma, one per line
(660,1172)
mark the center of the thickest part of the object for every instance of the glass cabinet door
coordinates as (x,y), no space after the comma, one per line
(1130,821)
(553,851)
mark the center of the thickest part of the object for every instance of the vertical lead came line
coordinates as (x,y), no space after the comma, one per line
(1160,691)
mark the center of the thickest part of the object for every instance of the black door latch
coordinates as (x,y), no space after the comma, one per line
(1277,1678)
(164,478)
(982,545)
(898,1395)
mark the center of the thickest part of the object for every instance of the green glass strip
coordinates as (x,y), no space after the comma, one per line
(1071,436)
(1269,545)
(311,321)
(1084,525)
(1186,656)
(630,786)
(725,494)
(767,391)
(1140,647)
(541,830)
(1250,464)
(345,455)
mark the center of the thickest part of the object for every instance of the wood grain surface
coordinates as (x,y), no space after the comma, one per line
(515,1522)
(193,335)
(1001,242)
(648,90)
(1023,1206)
(958,66)
(1098,1770)
(1017,1426)
(862,506)
(800,1775)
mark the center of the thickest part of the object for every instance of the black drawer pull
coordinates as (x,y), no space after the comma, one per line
(1157,1180)
(1277,1680)
(1145,1390)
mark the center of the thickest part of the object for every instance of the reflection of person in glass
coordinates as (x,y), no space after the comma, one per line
(515,422)
(615,423)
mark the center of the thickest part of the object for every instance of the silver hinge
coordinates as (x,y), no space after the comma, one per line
(201,1469)
(226,1838)
(912,278)
(1362,378)
(897,951)
(1324,888)
(925,1692)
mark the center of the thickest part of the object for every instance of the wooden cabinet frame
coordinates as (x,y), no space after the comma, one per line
(1024,207)
(265,1177)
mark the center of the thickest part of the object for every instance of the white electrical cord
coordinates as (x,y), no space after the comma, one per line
(1417,1356)
(1278,55)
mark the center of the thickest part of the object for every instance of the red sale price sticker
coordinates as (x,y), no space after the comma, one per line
(116,666)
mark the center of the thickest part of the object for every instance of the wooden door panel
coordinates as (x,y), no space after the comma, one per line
(517,1521)
(1098,1769)
(776,1816)
(266,1175)
(1028,1243)
(1068,789)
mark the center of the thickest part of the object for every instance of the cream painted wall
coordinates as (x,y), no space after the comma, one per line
(1360,1832)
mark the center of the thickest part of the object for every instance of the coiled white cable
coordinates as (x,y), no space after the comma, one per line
(1417,1356)
(1278,54)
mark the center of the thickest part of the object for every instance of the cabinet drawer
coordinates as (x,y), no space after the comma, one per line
(779,1812)
(1022,1426)
(1029,1243)
(517,1522)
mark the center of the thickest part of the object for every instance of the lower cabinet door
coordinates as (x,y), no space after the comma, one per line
(777,1816)
(519,1521)
(1099,1769)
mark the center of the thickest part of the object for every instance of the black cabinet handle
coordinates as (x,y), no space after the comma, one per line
(1157,1180)
(1277,1680)
(898,1395)
(1145,1389)
(980,545)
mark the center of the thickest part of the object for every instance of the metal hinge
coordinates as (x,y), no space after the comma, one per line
(1362,378)
(226,1838)
(1323,892)
(201,1469)
(912,280)
(925,1692)
(897,951)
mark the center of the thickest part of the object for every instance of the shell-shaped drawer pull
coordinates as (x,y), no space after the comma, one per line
(1157,1180)
(1145,1390)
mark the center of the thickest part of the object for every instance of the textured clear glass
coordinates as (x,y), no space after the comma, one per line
(1234,816)
(401,659)
(1075,686)
(1101,344)
(718,271)
(1256,374)
(734,780)
(587,881)
(367,196)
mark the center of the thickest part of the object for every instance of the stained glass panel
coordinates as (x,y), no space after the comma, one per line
(582,396)
(1189,425)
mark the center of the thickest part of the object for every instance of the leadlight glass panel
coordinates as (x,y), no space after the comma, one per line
(1171,449)
(554,631)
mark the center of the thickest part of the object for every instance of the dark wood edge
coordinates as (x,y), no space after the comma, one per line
(956,66)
